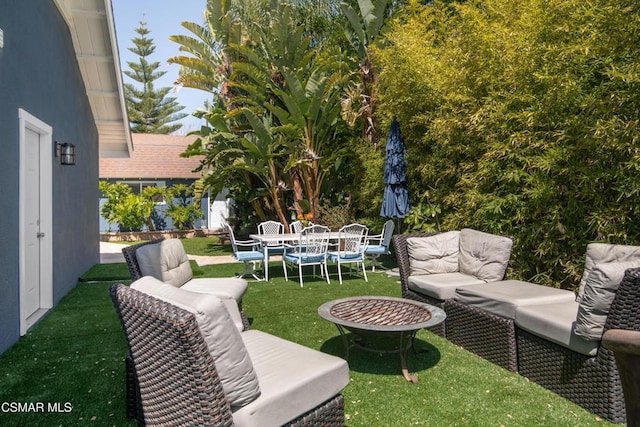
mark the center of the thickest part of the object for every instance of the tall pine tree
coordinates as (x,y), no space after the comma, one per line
(150,110)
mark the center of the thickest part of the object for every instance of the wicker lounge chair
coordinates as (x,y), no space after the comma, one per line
(168,261)
(178,379)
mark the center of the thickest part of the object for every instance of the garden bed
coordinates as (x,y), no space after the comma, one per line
(134,236)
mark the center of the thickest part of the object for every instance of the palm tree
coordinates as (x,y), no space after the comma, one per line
(278,95)
(286,76)
(365,27)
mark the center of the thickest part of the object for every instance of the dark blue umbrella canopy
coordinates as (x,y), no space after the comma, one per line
(395,203)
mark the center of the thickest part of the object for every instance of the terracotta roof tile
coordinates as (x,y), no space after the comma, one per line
(153,156)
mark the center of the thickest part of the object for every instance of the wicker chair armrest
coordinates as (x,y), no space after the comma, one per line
(249,244)
(621,340)
(374,237)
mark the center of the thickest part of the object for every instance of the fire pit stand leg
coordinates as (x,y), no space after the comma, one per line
(404,348)
(345,341)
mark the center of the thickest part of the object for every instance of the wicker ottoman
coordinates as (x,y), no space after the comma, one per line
(481,317)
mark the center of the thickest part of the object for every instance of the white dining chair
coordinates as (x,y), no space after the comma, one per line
(351,248)
(248,252)
(272,227)
(310,250)
(379,244)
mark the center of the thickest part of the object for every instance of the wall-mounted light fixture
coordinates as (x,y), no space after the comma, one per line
(67,153)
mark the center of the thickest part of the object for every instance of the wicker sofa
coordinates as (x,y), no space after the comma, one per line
(433,265)
(549,335)
(195,367)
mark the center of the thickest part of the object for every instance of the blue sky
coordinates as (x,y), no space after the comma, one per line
(163,18)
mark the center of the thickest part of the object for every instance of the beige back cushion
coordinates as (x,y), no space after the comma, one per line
(483,255)
(600,253)
(166,261)
(433,254)
(599,290)
(235,369)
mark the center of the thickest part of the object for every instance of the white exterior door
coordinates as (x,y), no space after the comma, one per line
(32,224)
(219,210)
(36,272)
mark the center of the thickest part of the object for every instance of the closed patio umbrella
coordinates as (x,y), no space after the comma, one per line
(395,203)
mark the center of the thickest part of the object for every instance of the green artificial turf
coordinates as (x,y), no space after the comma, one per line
(75,356)
(208,246)
(106,272)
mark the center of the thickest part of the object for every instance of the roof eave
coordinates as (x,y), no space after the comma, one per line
(93,32)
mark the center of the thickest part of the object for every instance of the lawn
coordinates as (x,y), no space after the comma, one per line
(75,358)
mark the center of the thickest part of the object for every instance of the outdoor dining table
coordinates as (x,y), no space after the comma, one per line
(285,238)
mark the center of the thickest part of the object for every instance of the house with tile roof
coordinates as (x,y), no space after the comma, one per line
(155,161)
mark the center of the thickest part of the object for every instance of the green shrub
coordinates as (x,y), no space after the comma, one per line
(182,210)
(522,118)
(129,210)
(335,217)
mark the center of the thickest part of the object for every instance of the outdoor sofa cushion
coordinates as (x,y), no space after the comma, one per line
(600,253)
(233,363)
(233,287)
(504,297)
(440,263)
(293,379)
(168,262)
(441,286)
(483,255)
(556,323)
(599,290)
(434,254)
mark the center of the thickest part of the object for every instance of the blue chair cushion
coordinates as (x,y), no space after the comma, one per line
(249,256)
(346,257)
(377,250)
(275,249)
(303,258)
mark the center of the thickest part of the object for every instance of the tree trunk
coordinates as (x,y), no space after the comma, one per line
(298,192)
(368,76)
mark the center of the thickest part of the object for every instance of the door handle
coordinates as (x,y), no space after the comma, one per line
(40,235)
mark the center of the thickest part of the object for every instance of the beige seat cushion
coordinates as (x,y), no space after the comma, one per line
(503,298)
(166,261)
(600,253)
(599,290)
(556,323)
(233,363)
(293,380)
(440,286)
(433,254)
(219,286)
(483,255)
